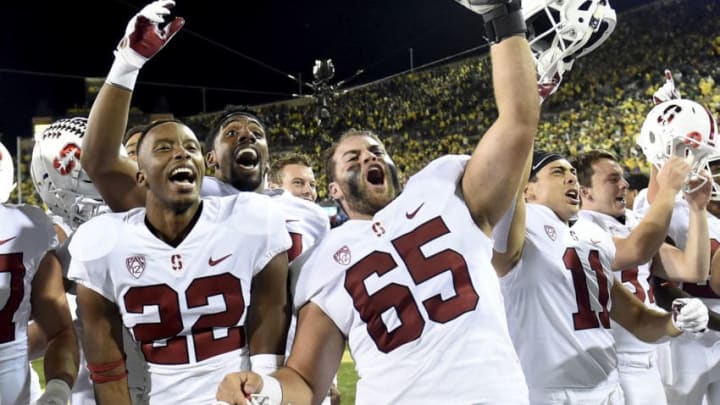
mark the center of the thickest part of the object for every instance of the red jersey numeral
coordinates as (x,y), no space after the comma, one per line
(421,268)
(586,317)
(631,276)
(11,263)
(162,342)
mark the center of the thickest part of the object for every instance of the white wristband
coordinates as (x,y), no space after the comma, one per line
(272,390)
(265,364)
(122,74)
(57,392)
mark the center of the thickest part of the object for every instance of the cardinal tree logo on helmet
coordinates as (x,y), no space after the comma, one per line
(668,114)
(65,162)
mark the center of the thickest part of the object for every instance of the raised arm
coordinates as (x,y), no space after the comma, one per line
(113,174)
(645,240)
(493,174)
(693,263)
(509,233)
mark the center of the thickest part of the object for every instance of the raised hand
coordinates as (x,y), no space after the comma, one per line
(146,34)
(674,173)
(502,18)
(667,91)
(482,6)
(698,190)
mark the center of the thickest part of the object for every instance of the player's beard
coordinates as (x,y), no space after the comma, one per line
(243,182)
(361,200)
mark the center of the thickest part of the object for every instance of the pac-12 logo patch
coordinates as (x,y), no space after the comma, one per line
(551,233)
(342,255)
(135,265)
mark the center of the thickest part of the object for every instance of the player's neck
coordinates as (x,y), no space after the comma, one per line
(170,227)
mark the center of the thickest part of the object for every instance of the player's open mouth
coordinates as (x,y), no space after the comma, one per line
(621,201)
(183,176)
(247,158)
(375,175)
(572,196)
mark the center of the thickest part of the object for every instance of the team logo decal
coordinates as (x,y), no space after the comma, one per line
(66,161)
(378,229)
(135,265)
(342,255)
(176,261)
(551,233)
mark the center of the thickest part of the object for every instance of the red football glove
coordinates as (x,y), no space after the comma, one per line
(144,37)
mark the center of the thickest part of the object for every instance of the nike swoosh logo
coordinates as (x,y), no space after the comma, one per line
(212,262)
(595,242)
(291,220)
(411,215)
(2,242)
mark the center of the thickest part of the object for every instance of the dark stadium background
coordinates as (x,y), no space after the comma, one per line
(240,51)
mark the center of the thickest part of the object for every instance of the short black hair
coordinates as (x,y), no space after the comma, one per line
(132,131)
(223,117)
(152,125)
(637,181)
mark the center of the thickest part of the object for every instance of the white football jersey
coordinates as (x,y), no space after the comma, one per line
(678,233)
(306,222)
(414,292)
(636,280)
(26,233)
(557,299)
(212,187)
(185,305)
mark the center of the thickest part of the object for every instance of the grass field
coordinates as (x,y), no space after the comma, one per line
(346,378)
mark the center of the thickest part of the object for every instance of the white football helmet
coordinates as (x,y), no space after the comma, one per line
(682,128)
(560,31)
(58,176)
(7,174)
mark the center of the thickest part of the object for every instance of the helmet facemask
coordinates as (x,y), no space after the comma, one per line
(560,31)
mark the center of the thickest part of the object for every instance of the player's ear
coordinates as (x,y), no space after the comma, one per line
(335,191)
(585,193)
(140,178)
(211,159)
(528,192)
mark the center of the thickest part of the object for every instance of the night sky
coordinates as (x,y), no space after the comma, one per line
(240,51)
